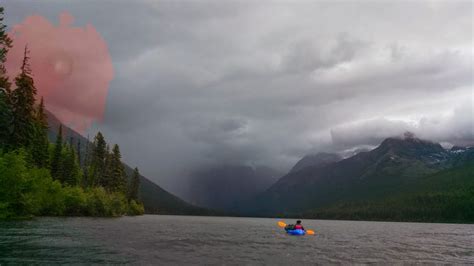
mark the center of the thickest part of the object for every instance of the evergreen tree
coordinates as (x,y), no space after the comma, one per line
(56,160)
(134,185)
(66,165)
(105,180)
(41,116)
(70,167)
(23,103)
(5,119)
(118,178)
(6,115)
(5,45)
(86,164)
(39,149)
(79,159)
(99,154)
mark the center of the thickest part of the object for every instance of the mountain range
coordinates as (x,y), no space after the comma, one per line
(396,166)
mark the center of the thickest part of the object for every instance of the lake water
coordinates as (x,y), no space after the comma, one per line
(156,239)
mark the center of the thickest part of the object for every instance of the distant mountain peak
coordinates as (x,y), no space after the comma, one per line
(409,142)
(409,135)
(412,148)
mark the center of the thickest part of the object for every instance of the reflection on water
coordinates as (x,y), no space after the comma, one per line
(217,240)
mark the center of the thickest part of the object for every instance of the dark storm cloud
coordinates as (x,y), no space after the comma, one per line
(267,82)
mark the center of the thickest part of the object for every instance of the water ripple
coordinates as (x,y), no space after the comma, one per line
(230,241)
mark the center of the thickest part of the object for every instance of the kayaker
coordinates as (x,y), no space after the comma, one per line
(298,225)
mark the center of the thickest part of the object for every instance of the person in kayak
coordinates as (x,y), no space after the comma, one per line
(298,225)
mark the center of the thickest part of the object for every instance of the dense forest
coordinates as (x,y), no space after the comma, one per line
(42,178)
(447,196)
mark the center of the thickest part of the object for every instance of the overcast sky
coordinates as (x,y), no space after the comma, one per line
(265,82)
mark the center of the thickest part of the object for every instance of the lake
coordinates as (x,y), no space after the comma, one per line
(152,239)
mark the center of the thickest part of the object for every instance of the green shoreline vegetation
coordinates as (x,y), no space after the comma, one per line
(39,178)
(446,196)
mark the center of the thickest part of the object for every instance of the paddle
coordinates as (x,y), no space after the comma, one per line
(282,225)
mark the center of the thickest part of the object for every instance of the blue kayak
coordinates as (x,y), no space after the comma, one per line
(296,232)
